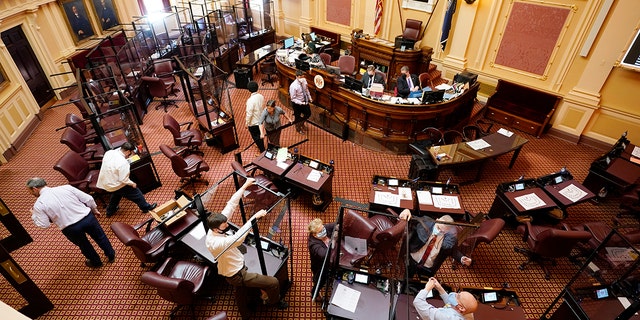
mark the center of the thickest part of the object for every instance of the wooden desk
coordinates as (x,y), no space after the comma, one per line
(459,154)
(383,184)
(321,190)
(271,165)
(257,39)
(251,59)
(443,189)
(564,202)
(507,207)
(334,42)
(181,226)
(372,304)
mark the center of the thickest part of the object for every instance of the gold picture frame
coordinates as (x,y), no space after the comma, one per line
(78,21)
(106,13)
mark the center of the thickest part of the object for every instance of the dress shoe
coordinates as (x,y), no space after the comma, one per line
(112,259)
(151,207)
(109,214)
(90,264)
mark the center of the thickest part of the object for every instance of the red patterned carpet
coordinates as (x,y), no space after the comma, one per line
(115,290)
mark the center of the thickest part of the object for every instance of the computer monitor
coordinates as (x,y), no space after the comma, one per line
(432,96)
(289,42)
(333,70)
(312,35)
(353,83)
(302,63)
(197,201)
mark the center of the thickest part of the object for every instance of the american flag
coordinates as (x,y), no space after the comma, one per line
(378,21)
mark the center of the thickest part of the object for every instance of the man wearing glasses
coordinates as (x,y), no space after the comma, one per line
(457,305)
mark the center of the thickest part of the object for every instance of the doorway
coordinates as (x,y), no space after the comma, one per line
(28,64)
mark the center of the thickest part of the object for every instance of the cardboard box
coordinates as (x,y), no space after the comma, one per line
(165,212)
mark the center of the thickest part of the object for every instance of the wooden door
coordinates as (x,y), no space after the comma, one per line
(29,66)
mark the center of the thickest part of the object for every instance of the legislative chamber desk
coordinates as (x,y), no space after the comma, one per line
(484,311)
(375,124)
(387,190)
(506,206)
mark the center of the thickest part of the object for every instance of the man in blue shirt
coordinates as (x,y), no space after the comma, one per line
(457,305)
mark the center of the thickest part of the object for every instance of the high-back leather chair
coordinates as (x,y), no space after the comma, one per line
(355,226)
(425,80)
(163,69)
(190,138)
(485,233)
(78,124)
(452,136)
(412,29)
(148,248)
(158,88)
(268,68)
(471,132)
(388,233)
(262,199)
(599,232)
(77,143)
(178,281)
(326,58)
(425,139)
(485,126)
(347,65)
(78,172)
(547,243)
(189,168)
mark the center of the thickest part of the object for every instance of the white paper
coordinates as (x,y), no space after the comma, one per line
(620,254)
(282,154)
(624,301)
(505,132)
(636,152)
(443,86)
(414,100)
(387,198)
(405,193)
(530,201)
(314,175)
(572,192)
(282,165)
(393,182)
(446,202)
(197,232)
(424,197)
(478,144)
(346,298)
(355,245)
(313,164)
(198,72)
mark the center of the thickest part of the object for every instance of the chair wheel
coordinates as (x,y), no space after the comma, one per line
(521,267)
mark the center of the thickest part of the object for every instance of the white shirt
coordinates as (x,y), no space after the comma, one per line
(427,311)
(63,205)
(114,172)
(232,260)
(254,109)
(299,91)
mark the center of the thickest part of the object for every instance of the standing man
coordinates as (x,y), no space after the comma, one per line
(431,243)
(107,15)
(114,178)
(300,100)
(457,305)
(73,211)
(408,84)
(370,77)
(254,112)
(231,260)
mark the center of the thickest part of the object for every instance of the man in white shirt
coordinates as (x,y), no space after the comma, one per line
(431,243)
(458,306)
(254,110)
(230,259)
(300,100)
(73,212)
(114,178)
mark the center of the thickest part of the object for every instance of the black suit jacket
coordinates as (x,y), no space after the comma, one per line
(420,235)
(317,250)
(377,78)
(403,86)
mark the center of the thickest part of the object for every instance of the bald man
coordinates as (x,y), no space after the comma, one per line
(457,305)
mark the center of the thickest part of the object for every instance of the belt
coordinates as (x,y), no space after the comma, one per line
(237,273)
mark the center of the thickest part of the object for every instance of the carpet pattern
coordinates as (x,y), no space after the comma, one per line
(115,290)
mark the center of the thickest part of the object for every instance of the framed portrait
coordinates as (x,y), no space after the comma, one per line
(107,14)
(77,19)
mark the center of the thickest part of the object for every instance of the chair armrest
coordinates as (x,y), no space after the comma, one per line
(148,223)
(188,123)
(392,212)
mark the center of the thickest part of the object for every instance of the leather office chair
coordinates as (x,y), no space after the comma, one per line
(78,124)
(599,232)
(452,136)
(189,168)
(425,80)
(347,65)
(190,138)
(388,233)
(547,243)
(163,69)
(268,68)
(158,88)
(425,139)
(77,143)
(485,233)
(178,281)
(79,172)
(355,226)
(148,248)
(326,58)
(471,132)
(412,29)
(261,198)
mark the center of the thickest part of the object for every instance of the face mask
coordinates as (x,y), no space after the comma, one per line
(435,231)
(322,233)
(451,299)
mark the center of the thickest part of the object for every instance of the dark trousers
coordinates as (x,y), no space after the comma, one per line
(77,234)
(133,194)
(255,135)
(420,270)
(301,112)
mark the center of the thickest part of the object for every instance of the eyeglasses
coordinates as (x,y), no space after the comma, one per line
(458,300)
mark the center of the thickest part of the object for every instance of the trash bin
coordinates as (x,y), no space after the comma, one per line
(242,76)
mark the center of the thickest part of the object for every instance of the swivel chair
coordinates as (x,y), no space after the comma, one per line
(159,89)
(425,80)
(452,136)
(78,124)
(412,29)
(425,139)
(388,233)
(485,233)
(471,132)
(358,227)
(326,58)
(257,194)
(178,281)
(189,138)
(148,248)
(599,232)
(347,65)
(163,69)
(547,243)
(189,168)
(268,68)
(78,172)
(77,143)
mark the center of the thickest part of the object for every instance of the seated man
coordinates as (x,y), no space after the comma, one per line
(430,243)
(370,77)
(408,85)
(459,305)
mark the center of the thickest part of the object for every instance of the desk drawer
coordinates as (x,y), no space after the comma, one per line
(499,116)
(526,126)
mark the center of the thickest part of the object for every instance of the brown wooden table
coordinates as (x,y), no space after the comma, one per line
(271,165)
(251,59)
(322,190)
(564,202)
(381,184)
(506,206)
(439,188)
